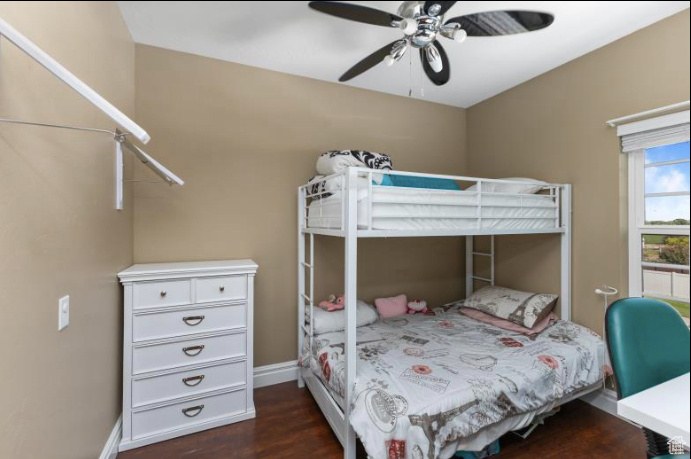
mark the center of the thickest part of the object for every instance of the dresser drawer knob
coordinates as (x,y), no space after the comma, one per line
(193,380)
(193,320)
(163,293)
(193,350)
(192,411)
(222,288)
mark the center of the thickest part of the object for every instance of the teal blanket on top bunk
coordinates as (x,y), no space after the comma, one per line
(410,181)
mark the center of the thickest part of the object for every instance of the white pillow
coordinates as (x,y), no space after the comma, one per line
(334,321)
(528,186)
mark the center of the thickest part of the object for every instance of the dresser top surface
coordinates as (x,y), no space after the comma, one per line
(191,268)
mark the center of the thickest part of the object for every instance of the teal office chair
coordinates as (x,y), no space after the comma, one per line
(648,344)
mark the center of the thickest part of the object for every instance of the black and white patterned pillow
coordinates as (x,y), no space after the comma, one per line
(522,308)
(359,158)
(372,160)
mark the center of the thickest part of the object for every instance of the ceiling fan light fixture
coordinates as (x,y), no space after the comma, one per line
(434,10)
(433,58)
(397,51)
(408,26)
(460,36)
(453,31)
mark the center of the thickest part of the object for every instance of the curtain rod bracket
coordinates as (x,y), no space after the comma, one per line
(121,140)
(120,137)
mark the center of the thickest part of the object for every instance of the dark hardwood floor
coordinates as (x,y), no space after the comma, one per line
(289,425)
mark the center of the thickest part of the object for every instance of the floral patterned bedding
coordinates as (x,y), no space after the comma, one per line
(426,381)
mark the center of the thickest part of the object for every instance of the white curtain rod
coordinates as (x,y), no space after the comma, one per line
(667,108)
(54,67)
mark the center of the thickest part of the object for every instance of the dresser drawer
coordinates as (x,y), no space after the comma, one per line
(186,383)
(166,293)
(180,322)
(187,414)
(152,357)
(225,288)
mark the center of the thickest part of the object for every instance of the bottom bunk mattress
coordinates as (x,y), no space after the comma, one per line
(425,383)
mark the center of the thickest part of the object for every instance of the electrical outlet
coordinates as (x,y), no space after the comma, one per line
(63,312)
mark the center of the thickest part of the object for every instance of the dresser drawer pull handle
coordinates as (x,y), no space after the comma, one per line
(193,320)
(222,288)
(191,350)
(190,382)
(194,410)
(163,293)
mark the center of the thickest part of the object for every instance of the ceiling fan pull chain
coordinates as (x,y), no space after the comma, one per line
(410,75)
(421,79)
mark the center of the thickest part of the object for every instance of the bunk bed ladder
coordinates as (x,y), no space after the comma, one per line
(470,255)
(566,215)
(304,300)
(308,300)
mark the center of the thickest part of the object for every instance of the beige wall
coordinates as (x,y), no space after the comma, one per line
(552,128)
(59,234)
(244,139)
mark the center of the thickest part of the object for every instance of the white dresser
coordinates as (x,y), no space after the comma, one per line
(187,360)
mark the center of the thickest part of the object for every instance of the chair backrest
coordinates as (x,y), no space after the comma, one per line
(648,344)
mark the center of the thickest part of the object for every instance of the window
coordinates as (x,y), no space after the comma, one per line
(659,223)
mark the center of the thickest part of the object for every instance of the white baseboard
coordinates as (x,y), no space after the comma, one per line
(277,373)
(110,450)
(604,399)
(267,375)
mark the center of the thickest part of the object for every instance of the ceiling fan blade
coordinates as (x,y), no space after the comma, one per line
(443,7)
(368,62)
(439,78)
(357,13)
(496,23)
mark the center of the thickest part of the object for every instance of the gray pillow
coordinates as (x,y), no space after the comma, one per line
(522,308)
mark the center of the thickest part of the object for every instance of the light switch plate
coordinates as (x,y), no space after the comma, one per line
(63,312)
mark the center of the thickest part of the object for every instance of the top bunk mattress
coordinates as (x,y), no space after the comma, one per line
(399,208)
(429,381)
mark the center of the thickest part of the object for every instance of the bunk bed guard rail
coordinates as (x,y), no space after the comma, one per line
(443,212)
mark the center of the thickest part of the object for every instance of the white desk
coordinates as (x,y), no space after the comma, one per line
(663,409)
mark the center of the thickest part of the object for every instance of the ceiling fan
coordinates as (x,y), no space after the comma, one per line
(421,23)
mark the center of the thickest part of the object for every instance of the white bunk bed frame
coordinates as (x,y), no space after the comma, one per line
(338,418)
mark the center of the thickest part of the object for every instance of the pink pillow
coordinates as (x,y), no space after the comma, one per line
(392,307)
(508,325)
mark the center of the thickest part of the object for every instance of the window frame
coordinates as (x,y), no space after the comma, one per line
(637,227)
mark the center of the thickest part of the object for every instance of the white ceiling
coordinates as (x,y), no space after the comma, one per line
(289,37)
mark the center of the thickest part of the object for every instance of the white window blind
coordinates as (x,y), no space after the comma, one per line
(655,138)
(654,132)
